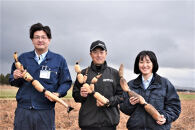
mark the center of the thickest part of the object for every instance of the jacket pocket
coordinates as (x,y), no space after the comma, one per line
(157,101)
(108,89)
(53,79)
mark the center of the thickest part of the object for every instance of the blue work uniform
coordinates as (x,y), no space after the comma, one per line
(33,108)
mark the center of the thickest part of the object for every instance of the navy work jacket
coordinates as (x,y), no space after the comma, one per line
(161,94)
(60,80)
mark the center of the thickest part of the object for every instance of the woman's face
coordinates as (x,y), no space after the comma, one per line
(145,66)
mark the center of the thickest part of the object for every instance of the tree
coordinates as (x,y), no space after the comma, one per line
(7,79)
(1,78)
(4,79)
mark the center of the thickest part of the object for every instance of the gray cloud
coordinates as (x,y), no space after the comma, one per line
(126,27)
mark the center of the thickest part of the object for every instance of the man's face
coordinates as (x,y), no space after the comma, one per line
(98,56)
(40,41)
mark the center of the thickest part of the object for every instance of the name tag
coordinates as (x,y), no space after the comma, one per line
(45,74)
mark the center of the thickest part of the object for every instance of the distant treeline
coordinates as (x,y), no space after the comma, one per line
(4,79)
(185,90)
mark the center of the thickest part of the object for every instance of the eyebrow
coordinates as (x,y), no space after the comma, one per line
(40,35)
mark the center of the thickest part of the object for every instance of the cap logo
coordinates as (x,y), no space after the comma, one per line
(100,44)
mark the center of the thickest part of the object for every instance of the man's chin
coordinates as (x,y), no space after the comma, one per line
(40,49)
(99,63)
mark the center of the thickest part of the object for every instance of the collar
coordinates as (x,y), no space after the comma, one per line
(41,57)
(100,68)
(155,80)
(32,55)
(147,80)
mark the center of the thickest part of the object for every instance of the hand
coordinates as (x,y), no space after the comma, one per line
(141,100)
(99,104)
(134,100)
(17,74)
(83,92)
(50,99)
(162,120)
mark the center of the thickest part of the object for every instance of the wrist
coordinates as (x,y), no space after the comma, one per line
(144,104)
(44,91)
(92,93)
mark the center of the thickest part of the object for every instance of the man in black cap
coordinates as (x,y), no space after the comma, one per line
(93,114)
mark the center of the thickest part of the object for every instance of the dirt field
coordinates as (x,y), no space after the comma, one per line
(64,121)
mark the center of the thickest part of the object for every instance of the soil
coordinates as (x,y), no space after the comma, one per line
(65,121)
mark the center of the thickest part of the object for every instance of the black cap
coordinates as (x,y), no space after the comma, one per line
(98,43)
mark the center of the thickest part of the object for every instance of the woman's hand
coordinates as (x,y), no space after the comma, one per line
(134,100)
(162,120)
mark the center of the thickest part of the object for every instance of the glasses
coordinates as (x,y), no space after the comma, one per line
(40,37)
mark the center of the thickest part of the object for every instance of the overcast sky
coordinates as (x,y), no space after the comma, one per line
(127,27)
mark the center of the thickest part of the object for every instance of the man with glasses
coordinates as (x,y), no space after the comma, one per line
(93,114)
(35,111)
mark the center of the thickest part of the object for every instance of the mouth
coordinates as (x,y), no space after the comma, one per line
(40,44)
(145,69)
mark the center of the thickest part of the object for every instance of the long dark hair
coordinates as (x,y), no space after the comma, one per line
(143,54)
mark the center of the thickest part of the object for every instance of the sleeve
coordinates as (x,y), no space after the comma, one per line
(117,97)
(65,80)
(76,92)
(15,82)
(172,104)
(126,107)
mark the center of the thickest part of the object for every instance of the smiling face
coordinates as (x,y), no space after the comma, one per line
(145,66)
(98,56)
(40,41)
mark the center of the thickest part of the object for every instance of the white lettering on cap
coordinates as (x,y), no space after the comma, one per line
(100,44)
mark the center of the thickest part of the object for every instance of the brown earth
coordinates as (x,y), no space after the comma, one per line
(66,121)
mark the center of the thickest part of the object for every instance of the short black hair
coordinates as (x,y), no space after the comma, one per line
(39,27)
(152,57)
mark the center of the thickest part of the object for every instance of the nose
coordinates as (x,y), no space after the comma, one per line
(99,54)
(144,64)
